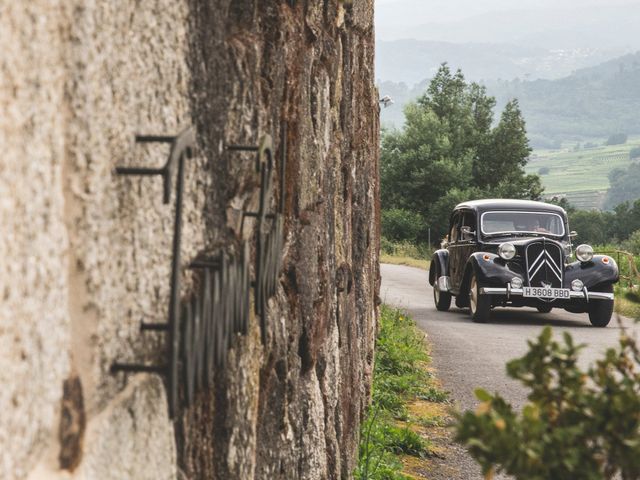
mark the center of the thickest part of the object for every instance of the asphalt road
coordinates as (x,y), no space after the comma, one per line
(468,355)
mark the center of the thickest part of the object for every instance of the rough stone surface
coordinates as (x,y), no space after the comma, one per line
(86,254)
(309,64)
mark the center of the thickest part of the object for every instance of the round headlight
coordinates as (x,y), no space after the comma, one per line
(506,251)
(584,253)
(577,285)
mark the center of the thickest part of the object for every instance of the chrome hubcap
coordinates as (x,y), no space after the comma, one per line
(473,295)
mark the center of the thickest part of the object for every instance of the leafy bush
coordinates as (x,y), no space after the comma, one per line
(399,224)
(577,425)
(634,153)
(632,244)
(617,139)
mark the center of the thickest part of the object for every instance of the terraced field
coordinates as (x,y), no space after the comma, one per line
(581,175)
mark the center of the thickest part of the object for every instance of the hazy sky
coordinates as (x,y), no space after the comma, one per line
(427,11)
(394,15)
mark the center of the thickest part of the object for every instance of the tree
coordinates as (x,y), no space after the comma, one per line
(617,139)
(449,152)
(398,224)
(503,168)
(624,185)
(593,227)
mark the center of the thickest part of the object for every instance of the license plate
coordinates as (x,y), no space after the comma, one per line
(542,292)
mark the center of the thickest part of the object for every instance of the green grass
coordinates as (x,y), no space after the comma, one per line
(405,253)
(400,377)
(405,260)
(627,302)
(581,174)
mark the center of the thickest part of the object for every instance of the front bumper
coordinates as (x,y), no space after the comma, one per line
(508,292)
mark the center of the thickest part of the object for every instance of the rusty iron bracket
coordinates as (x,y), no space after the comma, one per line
(182,147)
(269,239)
(200,329)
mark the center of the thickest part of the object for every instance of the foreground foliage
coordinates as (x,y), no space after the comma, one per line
(578,424)
(399,377)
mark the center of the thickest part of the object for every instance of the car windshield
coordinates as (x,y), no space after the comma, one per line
(522,222)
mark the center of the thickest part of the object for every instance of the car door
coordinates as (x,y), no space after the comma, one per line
(466,245)
(454,249)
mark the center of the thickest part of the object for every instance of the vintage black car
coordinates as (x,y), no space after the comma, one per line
(519,253)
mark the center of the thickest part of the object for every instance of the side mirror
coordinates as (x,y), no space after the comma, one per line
(467,232)
(573,233)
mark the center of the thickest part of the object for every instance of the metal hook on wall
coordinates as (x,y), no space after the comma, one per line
(200,328)
(269,242)
(182,147)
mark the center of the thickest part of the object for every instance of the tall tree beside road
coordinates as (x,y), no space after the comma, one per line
(448,152)
(502,168)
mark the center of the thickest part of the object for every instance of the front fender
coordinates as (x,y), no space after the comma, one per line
(601,270)
(439,264)
(491,270)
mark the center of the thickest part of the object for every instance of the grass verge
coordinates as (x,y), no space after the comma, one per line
(404,260)
(406,403)
(405,253)
(627,302)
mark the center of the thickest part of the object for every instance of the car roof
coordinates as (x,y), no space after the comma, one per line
(507,204)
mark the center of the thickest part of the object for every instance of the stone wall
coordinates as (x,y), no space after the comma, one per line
(86,253)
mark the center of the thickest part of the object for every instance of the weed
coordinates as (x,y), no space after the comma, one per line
(400,376)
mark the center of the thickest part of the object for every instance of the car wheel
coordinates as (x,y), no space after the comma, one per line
(600,311)
(479,305)
(441,299)
(544,309)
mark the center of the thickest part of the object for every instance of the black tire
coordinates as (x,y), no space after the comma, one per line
(600,311)
(479,305)
(544,308)
(441,299)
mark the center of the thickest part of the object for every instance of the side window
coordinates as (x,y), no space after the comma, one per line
(469,220)
(454,232)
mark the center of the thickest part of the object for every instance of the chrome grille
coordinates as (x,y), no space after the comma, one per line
(544,262)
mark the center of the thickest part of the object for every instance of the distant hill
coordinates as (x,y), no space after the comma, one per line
(581,173)
(592,102)
(411,61)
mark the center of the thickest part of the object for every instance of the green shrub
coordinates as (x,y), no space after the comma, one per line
(399,224)
(634,153)
(632,244)
(577,425)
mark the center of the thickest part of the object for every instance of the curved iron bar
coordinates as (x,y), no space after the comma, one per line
(201,328)
(182,147)
(269,240)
